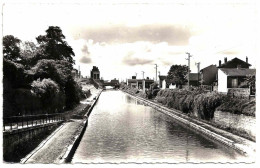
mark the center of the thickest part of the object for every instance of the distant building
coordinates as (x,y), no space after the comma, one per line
(208,75)
(138,83)
(161,79)
(114,81)
(194,79)
(94,73)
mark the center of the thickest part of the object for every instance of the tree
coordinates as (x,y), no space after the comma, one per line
(55,70)
(177,74)
(54,46)
(30,53)
(11,49)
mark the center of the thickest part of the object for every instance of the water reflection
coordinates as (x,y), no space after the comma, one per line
(122,130)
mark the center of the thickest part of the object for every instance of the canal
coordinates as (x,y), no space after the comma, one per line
(121,129)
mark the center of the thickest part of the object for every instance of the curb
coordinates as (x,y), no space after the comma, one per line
(71,149)
(236,146)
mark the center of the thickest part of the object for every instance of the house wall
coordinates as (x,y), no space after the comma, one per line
(239,92)
(209,75)
(222,81)
(164,84)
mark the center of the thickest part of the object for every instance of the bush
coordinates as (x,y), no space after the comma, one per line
(207,103)
(50,95)
(191,101)
(238,106)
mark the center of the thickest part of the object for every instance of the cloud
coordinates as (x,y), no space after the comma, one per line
(132,61)
(85,49)
(230,52)
(156,33)
(85,59)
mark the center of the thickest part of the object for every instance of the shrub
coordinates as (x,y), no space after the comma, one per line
(238,106)
(206,104)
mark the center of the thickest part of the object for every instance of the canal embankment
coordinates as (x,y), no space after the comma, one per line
(62,143)
(204,127)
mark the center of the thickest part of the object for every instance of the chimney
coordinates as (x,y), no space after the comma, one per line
(246,59)
(219,63)
(133,77)
(225,59)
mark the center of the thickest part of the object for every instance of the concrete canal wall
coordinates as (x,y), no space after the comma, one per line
(18,142)
(238,143)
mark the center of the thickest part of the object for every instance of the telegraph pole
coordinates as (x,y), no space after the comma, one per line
(198,66)
(156,72)
(143,74)
(188,68)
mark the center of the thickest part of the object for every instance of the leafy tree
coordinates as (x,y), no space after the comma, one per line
(30,53)
(11,49)
(73,93)
(55,70)
(54,46)
(177,74)
(49,92)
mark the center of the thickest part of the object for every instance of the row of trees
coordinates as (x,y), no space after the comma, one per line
(42,71)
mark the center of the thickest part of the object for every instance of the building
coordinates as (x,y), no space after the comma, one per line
(208,75)
(114,81)
(194,79)
(138,83)
(234,63)
(94,73)
(232,78)
(161,79)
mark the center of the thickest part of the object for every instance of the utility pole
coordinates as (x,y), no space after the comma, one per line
(188,68)
(143,74)
(198,66)
(156,72)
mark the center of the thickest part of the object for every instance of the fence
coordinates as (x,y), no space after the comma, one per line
(20,122)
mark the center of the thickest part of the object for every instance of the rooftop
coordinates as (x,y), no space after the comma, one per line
(238,71)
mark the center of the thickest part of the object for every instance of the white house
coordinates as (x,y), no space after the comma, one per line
(232,77)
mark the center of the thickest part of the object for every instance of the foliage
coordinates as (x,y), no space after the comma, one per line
(238,106)
(56,70)
(54,46)
(30,53)
(14,73)
(73,93)
(49,93)
(177,74)
(11,49)
(42,72)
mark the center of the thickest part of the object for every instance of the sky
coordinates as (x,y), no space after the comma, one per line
(125,38)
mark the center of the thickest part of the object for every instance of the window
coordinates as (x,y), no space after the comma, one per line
(234,83)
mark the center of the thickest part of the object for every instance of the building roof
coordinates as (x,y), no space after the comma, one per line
(208,67)
(162,77)
(238,71)
(232,61)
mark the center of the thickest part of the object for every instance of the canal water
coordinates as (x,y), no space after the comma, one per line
(121,129)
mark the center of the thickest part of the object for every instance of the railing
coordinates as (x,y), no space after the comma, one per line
(20,122)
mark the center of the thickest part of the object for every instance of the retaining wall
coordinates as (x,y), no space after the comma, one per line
(18,143)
